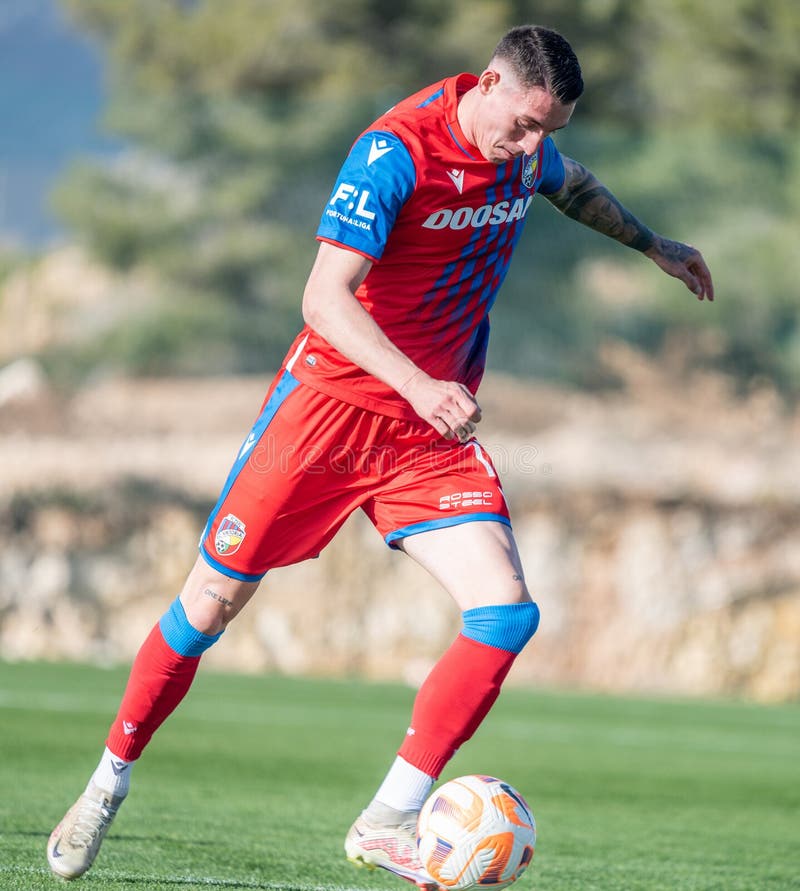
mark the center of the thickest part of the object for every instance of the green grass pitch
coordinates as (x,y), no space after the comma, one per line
(255,780)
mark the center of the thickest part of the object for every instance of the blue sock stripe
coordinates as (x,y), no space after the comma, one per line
(505,626)
(182,637)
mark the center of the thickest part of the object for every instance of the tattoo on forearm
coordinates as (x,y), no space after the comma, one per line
(585,199)
(218,597)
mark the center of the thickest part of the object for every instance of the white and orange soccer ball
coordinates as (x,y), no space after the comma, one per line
(475,831)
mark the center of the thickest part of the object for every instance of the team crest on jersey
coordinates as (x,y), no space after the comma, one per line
(529,171)
(230,535)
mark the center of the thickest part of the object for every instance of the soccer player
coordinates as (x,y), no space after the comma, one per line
(375,408)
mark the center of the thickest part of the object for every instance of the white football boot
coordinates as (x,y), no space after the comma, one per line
(390,847)
(74,843)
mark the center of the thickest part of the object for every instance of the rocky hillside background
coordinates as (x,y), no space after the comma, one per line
(659,525)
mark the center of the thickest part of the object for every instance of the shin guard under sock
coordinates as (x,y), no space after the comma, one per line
(161,675)
(452,702)
(464,684)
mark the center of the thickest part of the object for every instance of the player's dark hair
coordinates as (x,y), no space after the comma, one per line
(541,57)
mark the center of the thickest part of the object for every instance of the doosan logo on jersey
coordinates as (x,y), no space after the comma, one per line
(477,217)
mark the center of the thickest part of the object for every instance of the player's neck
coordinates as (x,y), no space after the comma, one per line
(465,113)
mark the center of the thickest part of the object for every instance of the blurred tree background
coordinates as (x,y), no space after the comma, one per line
(238,114)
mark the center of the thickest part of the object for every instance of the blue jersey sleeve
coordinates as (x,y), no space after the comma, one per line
(375,181)
(552,169)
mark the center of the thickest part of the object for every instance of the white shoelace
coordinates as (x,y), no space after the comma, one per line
(91,818)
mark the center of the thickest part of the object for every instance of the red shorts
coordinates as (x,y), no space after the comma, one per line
(311,460)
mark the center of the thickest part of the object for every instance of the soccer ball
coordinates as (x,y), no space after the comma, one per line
(475,831)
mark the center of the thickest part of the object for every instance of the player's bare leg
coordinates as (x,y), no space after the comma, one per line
(478,564)
(160,677)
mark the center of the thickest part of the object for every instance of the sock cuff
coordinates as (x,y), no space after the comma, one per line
(180,635)
(426,753)
(507,626)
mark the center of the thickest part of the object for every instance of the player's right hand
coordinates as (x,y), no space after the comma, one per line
(447,406)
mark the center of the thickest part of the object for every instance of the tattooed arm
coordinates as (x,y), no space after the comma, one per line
(585,199)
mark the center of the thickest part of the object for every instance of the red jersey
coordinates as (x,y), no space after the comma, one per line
(440,224)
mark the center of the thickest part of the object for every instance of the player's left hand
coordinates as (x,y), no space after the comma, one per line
(684,262)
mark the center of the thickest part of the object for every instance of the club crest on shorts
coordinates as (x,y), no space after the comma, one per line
(529,170)
(230,535)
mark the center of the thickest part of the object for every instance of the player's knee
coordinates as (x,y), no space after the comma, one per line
(505,626)
(211,600)
(181,635)
(204,614)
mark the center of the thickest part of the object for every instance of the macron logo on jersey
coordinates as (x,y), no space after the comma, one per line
(378,149)
(248,444)
(458,179)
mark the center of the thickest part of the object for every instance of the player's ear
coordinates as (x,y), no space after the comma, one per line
(488,80)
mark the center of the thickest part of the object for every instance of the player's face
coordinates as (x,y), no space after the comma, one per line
(511,120)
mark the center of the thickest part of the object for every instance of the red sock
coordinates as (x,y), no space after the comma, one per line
(453,700)
(159,680)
